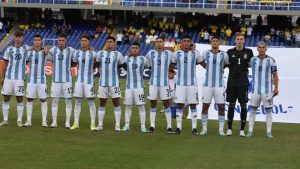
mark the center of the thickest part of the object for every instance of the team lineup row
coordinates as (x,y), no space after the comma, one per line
(160,61)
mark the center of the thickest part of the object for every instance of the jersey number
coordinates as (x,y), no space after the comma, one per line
(21,89)
(134,66)
(168,92)
(141,97)
(60,57)
(185,60)
(83,61)
(69,90)
(92,90)
(36,61)
(239,61)
(17,56)
(214,61)
(260,68)
(159,62)
(117,90)
(107,60)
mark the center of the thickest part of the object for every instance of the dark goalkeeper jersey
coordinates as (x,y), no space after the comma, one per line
(238,67)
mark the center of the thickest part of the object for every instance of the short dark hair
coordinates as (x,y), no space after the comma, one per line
(136,44)
(159,37)
(62,35)
(38,36)
(86,37)
(214,37)
(111,37)
(187,37)
(18,33)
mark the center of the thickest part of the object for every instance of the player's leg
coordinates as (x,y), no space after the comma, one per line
(56,93)
(231,97)
(180,100)
(219,96)
(268,104)
(255,102)
(78,94)
(29,108)
(139,99)
(89,92)
(179,114)
(243,99)
(43,94)
(7,91)
(67,94)
(19,91)
(207,95)
(103,94)
(128,101)
(165,96)
(153,94)
(193,100)
(116,94)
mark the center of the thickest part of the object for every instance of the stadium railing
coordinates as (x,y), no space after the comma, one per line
(287,5)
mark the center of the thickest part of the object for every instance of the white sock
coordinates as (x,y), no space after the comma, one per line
(152,117)
(68,110)
(5,110)
(179,113)
(29,111)
(44,108)
(204,119)
(194,118)
(77,110)
(101,113)
(142,113)
(269,119)
(128,112)
(20,110)
(221,122)
(54,109)
(252,118)
(117,111)
(168,117)
(92,110)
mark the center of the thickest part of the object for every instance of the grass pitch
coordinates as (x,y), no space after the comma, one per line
(36,147)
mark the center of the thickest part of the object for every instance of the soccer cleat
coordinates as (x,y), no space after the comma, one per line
(221,133)
(99,128)
(67,125)
(229,132)
(195,132)
(203,133)
(19,124)
(75,126)
(53,125)
(27,124)
(125,129)
(144,130)
(169,131)
(242,133)
(151,129)
(249,134)
(269,135)
(44,124)
(117,128)
(93,127)
(177,131)
(3,123)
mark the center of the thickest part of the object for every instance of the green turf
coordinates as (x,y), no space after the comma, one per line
(36,147)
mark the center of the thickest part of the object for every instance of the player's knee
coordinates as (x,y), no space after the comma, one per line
(68,100)
(19,99)
(78,100)
(193,106)
(268,110)
(103,102)
(166,103)
(231,105)
(55,100)
(91,101)
(153,103)
(43,100)
(221,107)
(254,108)
(243,106)
(180,106)
(30,100)
(116,102)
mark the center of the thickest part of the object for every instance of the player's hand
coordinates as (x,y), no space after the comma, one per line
(275,91)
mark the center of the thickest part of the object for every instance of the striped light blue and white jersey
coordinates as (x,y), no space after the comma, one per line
(135,70)
(186,67)
(61,64)
(16,58)
(85,60)
(262,70)
(109,61)
(37,61)
(159,62)
(215,63)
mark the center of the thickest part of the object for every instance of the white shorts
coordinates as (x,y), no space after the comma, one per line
(105,92)
(186,94)
(84,90)
(218,93)
(134,96)
(256,99)
(36,91)
(13,87)
(62,90)
(162,91)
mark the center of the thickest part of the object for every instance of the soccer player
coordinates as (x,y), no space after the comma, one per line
(13,77)
(160,60)
(237,84)
(134,93)
(186,87)
(109,60)
(264,71)
(61,57)
(37,82)
(84,86)
(213,86)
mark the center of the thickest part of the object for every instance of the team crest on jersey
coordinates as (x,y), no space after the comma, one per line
(245,56)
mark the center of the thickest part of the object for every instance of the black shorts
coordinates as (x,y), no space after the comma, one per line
(237,92)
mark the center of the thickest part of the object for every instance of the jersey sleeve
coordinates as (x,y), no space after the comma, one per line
(27,47)
(50,54)
(171,54)
(174,59)
(273,66)
(120,59)
(203,54)
(75,57)
(250,63)
(147,63)
(199,58)
(226,59)
(125,58)
(6,54)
